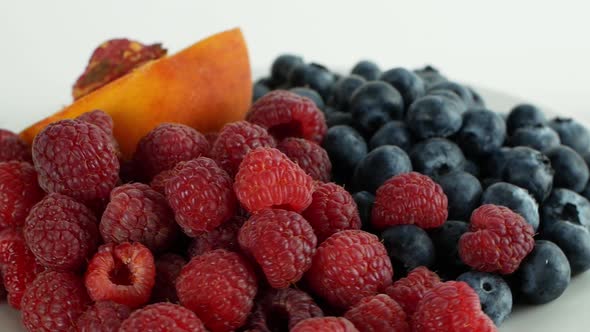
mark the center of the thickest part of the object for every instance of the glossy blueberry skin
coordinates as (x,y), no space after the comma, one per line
(446,243)
(364,201)
(375,103)
(434,116)
(483,132)
(538,137)
(430,75)
(493,166)
(574,241)
(529,169)
(336,118)
(493,292)
(524,115)
(463,192)
(571,171)
(565,205)
(378,166)
(514,198)
(409,85)
(392,133)
(544,274)
(346,148)
(282,67)
(366,69)
(459,103)
(344,88)
(259,89)
(572,134)
(457,89)
(314,76)
(408,246)
(310,94)
(437,156)
(472,168)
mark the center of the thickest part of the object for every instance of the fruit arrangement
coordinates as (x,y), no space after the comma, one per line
(374,201)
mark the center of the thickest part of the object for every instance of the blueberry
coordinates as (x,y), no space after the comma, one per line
(565,205)
(463,191)
(409,85)
(477,99)
(572,134)
(488,182)
(446,242)
(338,118)
(346,148)
(344,88)
(494,164)
(259,89)
(586,191)
(375,103)
(310,94)
(457,89)
(364,201)
(574,241)
(282,67)
(459,103)
(544,274)
(472,168)
(571,171)
(378,166)
(408,246)
(392,133)
(434,116)
(529,169)
(524,115)
(366,69)
(514,198)
(493,292)
(437,156)
(314,76)
(538,137)
(482,133)
(430,75)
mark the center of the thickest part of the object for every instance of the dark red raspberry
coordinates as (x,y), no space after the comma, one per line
(282,243)
(168,267)
(13,147)
(54,301)
(219,286)
(163,317)
(451,306)
(19,191)
(332,209)
(201,195)
(166,145)
(211,138)
(2,291)
(234,142)
(223,237)
(409,291)
(325,324)
(158,183)
(100,119)
(103,316)
(409,198)
(378,313)
(123,273)
(286,114)
(311,157)
(267,178)
(137,213)
(497,241)
(349,266)
(77,159)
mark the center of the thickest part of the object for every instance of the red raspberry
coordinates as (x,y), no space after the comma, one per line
(137,213)
(2,291)
(311,157)
(451,306)
(53,302)
(168,267)
(19,191)
(13,148)
(378,313)
(409,291)
(158,183)
(282,243)
(163,317)
(211,138)
(103,316)
(219,286)
(234,142)
(325,324)
(123,273)
(497,241)
(267,178)
(100,119)
(285,114)
(166,145)
(332,209)
(77,159)
(201,195)
(223,237)
(410,198)
(349,266)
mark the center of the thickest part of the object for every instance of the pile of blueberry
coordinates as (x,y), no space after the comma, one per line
(384,123)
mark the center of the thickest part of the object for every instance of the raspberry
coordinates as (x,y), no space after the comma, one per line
(282,243)
(378,313)
(123,273)
(100,119)
(451,306)
(223,237)
(166,145)
(497,241)
(219,286)
(137,213)
(19,191)
(201,195)
(53,302)
(77,159)
(311,157)
(103,316)
(410,198)
(211,138)
(325,324)
(163,317)
(234,142)
(409,291)
(168,267)
(285,114)
(349,266)
(158,183)
(13,148)
(332,209)
(267,178)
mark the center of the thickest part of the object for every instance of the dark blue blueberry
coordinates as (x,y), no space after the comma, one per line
(571,171)
(314,76)
(574,241)
(457,89)
(392,133)
(463,192)
(311,94)
(538,137)
(565,205)
(446,242)
(544,274)
(430,75)
(586,191)
(494,164)
(437,156)
(488,182)
(493,292)
(336,118)
(259,89)
(514,198)
(282,67)
(374,104)
(477,99)
(472,168)
(459,103)
(572,134)
(529,169)
(346,148)
(364,201)
(524,115)
(378,166)
(366,69)
(344,88)
(408,246)
(409,85)
(434,116)
(483,132)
